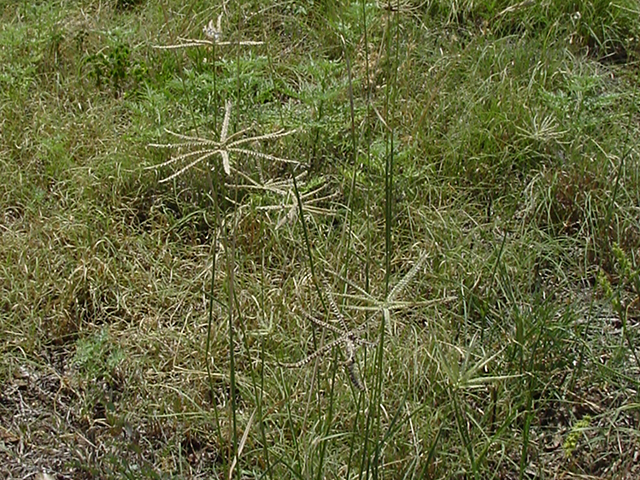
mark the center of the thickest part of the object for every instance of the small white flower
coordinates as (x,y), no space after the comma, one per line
(213,32)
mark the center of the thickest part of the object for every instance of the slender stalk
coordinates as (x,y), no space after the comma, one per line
(353,435)
(232,302)
(329,417)
(232,365)
(210,323)
(367,144)
(259,396)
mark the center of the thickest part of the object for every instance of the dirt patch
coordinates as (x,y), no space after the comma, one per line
(51,423)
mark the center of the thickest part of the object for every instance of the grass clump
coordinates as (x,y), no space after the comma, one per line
(452,185)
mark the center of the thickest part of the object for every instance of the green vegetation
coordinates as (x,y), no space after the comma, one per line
(319,239)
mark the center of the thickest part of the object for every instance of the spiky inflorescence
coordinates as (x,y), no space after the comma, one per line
(350,339)
(214,36)
(206,148)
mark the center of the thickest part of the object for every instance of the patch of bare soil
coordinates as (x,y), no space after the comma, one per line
(51,424)
(589,434)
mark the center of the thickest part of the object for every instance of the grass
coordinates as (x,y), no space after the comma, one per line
(457,217)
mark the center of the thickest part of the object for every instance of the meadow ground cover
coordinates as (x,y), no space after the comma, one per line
(319,239)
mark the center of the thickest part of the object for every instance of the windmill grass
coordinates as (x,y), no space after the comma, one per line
(227,145)
(348,338)
(214,34)
(488,147)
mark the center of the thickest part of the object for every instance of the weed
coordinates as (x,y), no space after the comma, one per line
(113,66)
(95,358)
(571,442)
